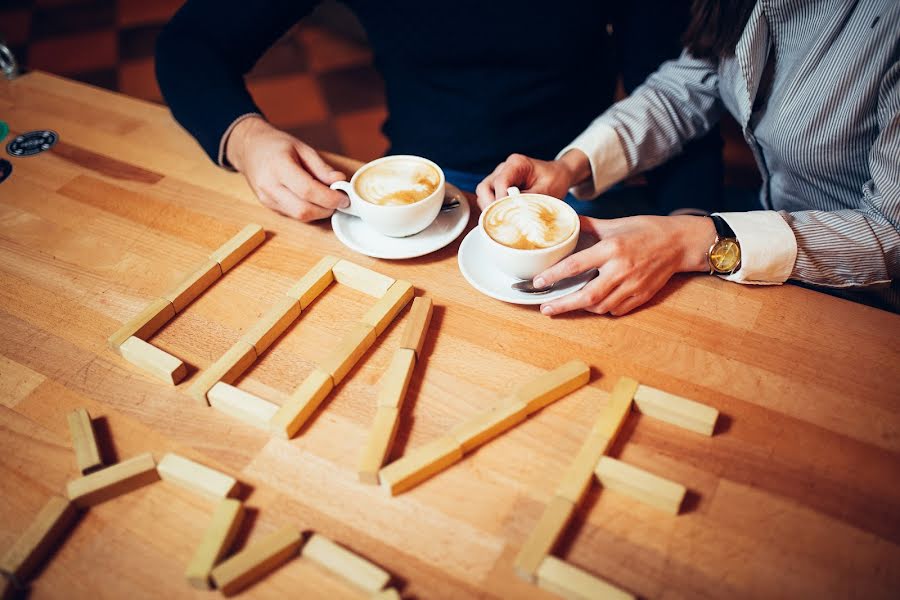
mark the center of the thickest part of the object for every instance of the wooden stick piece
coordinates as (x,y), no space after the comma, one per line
(580,471)
(40,538)
(417,323)
(87,453)
(348,565)
(226,369)
(486,426)
(641,485)
(395,381)
(611,418)
(147,322)
(553,385)
(420,464)
(543,537)
(196,477)
(194,284)
(361,279)
(112,481)
(386,594)
(676,410)
(272,324)
(254,562)
(216,542)
(154,361)
(566,580)
(314,282)
(388,306)
(231,252)
(303,402)
(349,350)
(381,437)
(242,405)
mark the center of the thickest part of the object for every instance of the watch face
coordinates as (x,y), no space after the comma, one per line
(725,256)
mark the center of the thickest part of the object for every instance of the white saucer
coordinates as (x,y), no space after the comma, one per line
(359,237)
(484,276)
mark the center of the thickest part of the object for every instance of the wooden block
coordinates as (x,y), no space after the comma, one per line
(314,282)
(381,437)
(386,308)
(641,485)
(580,471)
(272,324)
(303,402)
(196,477)
(543,537)
(256,561)
(41,537)
(87,453)
(242,405)
(348,565)
(361,279)
(113,481)
(147,322)
(676,410)
(489,424)
(553,385)
(349,350)
(231,252)
(395,381)
(386,594)
(216,542)
(194,284)
(226,369)
(417,325)
(612,416)
(566,580)
(154,361)
(420,464)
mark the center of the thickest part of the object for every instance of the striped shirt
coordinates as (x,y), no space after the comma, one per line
(815,86)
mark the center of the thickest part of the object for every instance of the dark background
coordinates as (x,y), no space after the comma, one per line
(324,60)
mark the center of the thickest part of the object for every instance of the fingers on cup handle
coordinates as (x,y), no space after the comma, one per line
(317,166)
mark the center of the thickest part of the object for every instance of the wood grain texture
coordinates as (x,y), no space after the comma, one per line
(43,534)
(796,494)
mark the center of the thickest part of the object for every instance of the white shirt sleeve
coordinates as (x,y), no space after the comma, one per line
(601,144)
(768,247)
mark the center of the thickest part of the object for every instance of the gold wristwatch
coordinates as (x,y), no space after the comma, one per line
(724,256)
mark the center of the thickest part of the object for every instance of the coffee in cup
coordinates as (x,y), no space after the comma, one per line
(397,196)
(527,233)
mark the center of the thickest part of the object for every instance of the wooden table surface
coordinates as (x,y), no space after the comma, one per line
(797,494)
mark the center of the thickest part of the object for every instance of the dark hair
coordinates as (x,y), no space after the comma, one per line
(716,26)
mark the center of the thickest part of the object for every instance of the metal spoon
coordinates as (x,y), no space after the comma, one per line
(527,286)
(449,204)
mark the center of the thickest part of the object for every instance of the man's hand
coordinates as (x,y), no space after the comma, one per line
(285,174)
(635,256)
(553,178)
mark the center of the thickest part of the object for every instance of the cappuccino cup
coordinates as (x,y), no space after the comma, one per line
(528,233)
(397,196)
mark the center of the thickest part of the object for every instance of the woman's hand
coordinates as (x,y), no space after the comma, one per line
(635,256)
(553,178)
(285,174)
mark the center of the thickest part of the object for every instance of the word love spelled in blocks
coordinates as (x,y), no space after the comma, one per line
(211,566)
(534,561)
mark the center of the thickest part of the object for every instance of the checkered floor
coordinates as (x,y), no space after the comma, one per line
(110,43)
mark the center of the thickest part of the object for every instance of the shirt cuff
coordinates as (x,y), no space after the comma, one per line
(222,161)
(601,144)
(768,247)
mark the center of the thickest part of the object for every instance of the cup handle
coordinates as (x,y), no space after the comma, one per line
(344,186)
(512,191)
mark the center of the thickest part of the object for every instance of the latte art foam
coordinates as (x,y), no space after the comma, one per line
(529,222)
(396,182)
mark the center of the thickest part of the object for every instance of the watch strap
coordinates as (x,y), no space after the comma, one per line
(723,229)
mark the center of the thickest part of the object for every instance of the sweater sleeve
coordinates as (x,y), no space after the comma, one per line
(204,52)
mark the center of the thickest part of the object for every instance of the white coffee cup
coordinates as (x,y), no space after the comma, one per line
(394,220)
(526,263)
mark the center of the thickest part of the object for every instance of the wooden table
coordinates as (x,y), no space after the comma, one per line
(797,494)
